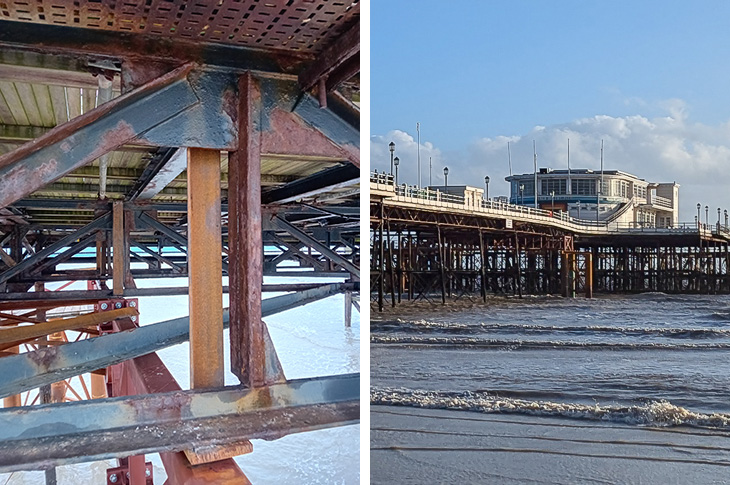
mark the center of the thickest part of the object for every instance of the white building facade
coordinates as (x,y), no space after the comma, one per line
(608,196)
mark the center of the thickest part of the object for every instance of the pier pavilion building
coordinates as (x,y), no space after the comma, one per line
(608,196)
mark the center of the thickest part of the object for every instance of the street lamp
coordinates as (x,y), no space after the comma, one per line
(718,218)
(552,202)
(396,162)
(699,206)
(391,145)
(486,187)
(726,219)
(707,215)
(446,176)
(522,193)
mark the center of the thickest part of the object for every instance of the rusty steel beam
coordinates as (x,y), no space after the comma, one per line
(172,162)
(45,366)
(116,427)
(205,268)
(28,263)
(245,244)
(46,328)
(332,58)
(91,135)
(317,183)
(280,224)
(149,375)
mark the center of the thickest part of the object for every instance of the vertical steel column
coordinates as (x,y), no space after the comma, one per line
(442,264)
(589,274)
(483,266)
(205,268)
(348,308)
(118,246)
(381,262)
(391,268)
(245,265)
(517,260)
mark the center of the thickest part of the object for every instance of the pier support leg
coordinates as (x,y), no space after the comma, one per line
(442,264)
(118,245)
(245,268)
(589,275)
(205,268)
(348,309)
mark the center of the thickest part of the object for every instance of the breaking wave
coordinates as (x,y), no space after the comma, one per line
(477,343)
(655,413)
(424,326)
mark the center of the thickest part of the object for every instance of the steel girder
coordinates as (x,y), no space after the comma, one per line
(57,434)
(22,372)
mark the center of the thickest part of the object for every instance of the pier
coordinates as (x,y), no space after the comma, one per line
(158,140)
(428,245)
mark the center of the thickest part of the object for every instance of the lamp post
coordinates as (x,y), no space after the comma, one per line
(718,218)
(486,187)
(391,145)
(552,202)
(522,193)
(699,206)
(726,219)
(396,162)
(707,215)
(446,176)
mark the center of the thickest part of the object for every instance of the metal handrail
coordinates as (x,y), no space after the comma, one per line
(560,218)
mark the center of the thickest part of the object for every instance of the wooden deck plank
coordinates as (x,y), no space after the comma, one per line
(73,96)
(30,105)
(14,103)
(45,105)
(58,101)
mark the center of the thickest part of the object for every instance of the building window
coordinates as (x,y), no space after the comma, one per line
(583,187)
(558,186)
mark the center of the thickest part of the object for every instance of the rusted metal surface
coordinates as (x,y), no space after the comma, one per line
(332,59)
(118,247)
(44,366)
(53,326)
(244,239)
(89,136)
(298,26)
(50,435)
(149,375)
(205,268)
(173,167)
(335,177)
(280,224)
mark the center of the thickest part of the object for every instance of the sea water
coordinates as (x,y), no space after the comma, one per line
(622,364)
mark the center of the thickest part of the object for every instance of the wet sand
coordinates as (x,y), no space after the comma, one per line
(410,445)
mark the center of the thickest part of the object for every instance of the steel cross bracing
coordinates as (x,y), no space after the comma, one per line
(104,112)
(421,252)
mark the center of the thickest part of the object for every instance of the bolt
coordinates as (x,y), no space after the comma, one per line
(104,306)
(134,319)
(133,304)
(118,304)
(113,478)
(147,472)
(127,476)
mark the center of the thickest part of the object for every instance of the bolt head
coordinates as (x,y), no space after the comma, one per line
(133,318)
(118,304)
(113,478)
(133,304)
(104,306)
(147,472)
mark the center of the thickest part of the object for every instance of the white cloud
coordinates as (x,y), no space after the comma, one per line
(665,148)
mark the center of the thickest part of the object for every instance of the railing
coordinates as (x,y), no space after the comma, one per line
(662,202)
(561,218)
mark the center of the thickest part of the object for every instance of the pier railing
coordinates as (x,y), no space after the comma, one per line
(424,196)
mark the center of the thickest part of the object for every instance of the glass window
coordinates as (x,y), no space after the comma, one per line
(558,186)
(583,186)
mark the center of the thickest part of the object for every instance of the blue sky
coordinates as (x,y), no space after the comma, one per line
(652,78)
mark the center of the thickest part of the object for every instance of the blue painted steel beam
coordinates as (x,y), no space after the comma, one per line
(58,434)
(91,135)
(30,370)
